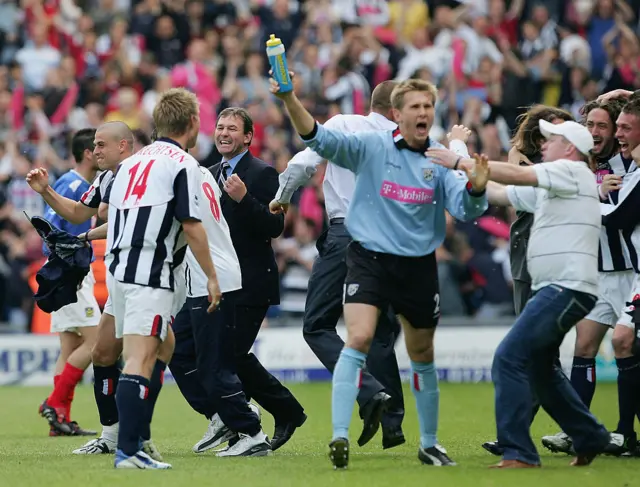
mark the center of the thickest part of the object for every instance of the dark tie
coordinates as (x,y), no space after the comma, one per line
(223,173)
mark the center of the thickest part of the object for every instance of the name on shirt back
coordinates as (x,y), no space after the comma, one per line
(163,150)
(406,194)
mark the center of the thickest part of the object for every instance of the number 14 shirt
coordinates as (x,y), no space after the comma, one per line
(153,192)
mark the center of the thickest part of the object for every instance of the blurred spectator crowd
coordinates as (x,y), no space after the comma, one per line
(70,64)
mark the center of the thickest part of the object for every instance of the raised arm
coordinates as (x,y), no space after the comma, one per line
(497,194)
(520,194)
(556,177)
(344,150)
(73,211)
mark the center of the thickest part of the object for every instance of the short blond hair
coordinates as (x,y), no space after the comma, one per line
(397,95)
(173,112)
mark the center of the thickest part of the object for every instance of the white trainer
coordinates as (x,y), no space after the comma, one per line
(217,433)
(97,446)
(248,446)
(138,461)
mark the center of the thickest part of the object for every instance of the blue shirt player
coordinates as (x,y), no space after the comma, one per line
(397,221)
(76,323)
(71,185)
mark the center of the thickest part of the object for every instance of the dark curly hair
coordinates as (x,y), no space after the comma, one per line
(613,107)
(528,139)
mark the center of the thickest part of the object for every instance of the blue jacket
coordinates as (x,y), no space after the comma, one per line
(69,262)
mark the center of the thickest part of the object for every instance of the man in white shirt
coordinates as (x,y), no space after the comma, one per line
(325,288)
(562,258)
(203,362)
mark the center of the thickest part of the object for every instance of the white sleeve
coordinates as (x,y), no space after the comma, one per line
(523,198)
(559,178)
(459,148)
(302,167)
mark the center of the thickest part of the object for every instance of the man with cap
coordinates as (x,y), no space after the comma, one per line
(562,258)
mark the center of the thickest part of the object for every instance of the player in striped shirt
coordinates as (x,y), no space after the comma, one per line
(153,214)
(624,216)
(113,143)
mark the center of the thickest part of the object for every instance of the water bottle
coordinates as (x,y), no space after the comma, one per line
(278,62)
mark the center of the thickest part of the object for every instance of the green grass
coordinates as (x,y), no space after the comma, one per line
(28,457)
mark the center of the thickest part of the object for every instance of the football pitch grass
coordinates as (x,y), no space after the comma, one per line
(28,457)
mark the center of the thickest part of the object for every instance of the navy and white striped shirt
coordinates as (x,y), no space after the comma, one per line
(97,191)
(617,252)
(153,192)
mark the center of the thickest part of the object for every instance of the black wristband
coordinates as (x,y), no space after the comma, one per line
(311,134)
(455,166)
(86,236)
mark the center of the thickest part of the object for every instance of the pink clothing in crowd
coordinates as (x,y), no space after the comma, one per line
(196,78)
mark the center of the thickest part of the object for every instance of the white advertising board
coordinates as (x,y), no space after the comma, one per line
(463,354)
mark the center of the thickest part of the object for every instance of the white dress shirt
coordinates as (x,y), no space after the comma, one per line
(339,183)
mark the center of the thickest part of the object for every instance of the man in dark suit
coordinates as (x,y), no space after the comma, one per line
(248,185)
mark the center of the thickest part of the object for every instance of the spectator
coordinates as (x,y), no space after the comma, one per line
(65,65)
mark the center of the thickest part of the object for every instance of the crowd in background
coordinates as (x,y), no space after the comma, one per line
(70,64)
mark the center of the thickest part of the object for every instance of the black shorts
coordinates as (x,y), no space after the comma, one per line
(408,284)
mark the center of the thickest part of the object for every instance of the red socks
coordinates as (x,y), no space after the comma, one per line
(64,386)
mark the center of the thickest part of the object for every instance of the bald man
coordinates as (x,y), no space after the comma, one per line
(113,143)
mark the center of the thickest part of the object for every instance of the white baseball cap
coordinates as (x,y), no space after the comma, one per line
(575,133)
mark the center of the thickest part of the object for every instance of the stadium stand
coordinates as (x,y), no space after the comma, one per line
(69,64)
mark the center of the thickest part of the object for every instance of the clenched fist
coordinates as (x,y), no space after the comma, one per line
(235,188)
(459,132)
(38,179)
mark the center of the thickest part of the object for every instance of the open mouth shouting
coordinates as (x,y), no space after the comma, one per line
(598,145)
(422,129)
(625,149)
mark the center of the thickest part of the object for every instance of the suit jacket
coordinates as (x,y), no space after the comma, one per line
(252,227)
